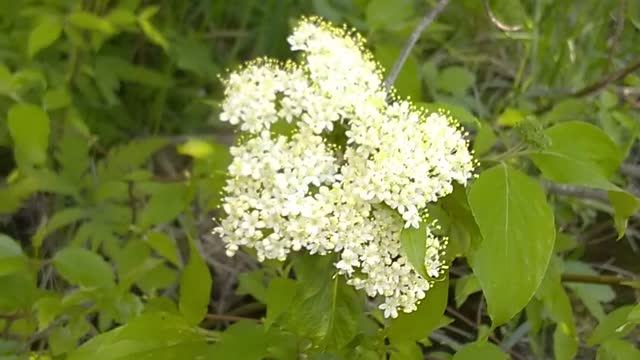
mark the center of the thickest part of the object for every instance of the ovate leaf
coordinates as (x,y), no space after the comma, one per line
(414,246)
(480,350)
(164,246)
(43,35)
(195,287)
(518,233)
(616,349)
(29,128)
(83,267)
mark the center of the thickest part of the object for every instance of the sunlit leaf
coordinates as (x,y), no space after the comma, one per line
(518,233)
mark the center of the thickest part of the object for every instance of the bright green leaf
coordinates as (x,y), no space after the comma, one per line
(83,267)
(29,128)
(591,295)
(614,325)
(196,148)
(92,22)
(466,286)
(480,350)
(158,336)
(55,99)
(11,257)
(164,246)
(518,233)
(616,349)
(195,287)
(414,247)
(510,117)
(484,140)
(43,35)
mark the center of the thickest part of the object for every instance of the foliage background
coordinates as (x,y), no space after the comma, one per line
(113,159)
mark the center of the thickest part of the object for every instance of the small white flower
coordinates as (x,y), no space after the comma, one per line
(299,193)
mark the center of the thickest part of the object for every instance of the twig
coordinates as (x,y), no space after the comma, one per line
(225,317)
(596,86)
(411,42)
(577,191)
(630,170)
(598,279)
(499,24)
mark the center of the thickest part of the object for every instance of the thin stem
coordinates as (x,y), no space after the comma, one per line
(411,42)
(598,279)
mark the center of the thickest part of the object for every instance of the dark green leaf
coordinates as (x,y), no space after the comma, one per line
(388,14)
(278,298)
(253,283)
(408,82)
(195,287)
(518,233)
(167,201)
(83,267)
(243,340)
(123,159)
(417,325)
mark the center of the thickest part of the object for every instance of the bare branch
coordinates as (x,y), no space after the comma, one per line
(577,191)
(411,42)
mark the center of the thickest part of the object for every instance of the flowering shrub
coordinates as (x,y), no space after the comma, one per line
(301,192)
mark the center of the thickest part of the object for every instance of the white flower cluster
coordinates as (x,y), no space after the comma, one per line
(300,193)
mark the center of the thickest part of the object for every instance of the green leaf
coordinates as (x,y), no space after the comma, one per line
(325,308)
(167,201)
(123,159)
(279,296)
(29,129)
(252,283)
(73,155)
(149,30)
(518,233)
(47,309)
(55,99)
(65,338)
(634,315)
(196,148)
(616,349)
(414,247)
(484,140)
(407,351)
(11,257)
(243,340)
(43,35)
(480,350)
(164,246)
(88,21)
(59,220)
(455,80)
(154,335)
(510,117)
(582,154)
(458,113)
(417,325)
(388,14)
(614,325)
(193,55)
(466,286)
(19,291)
(83,267)
(195,287)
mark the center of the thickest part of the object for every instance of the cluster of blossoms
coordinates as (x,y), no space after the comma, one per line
(301,193)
